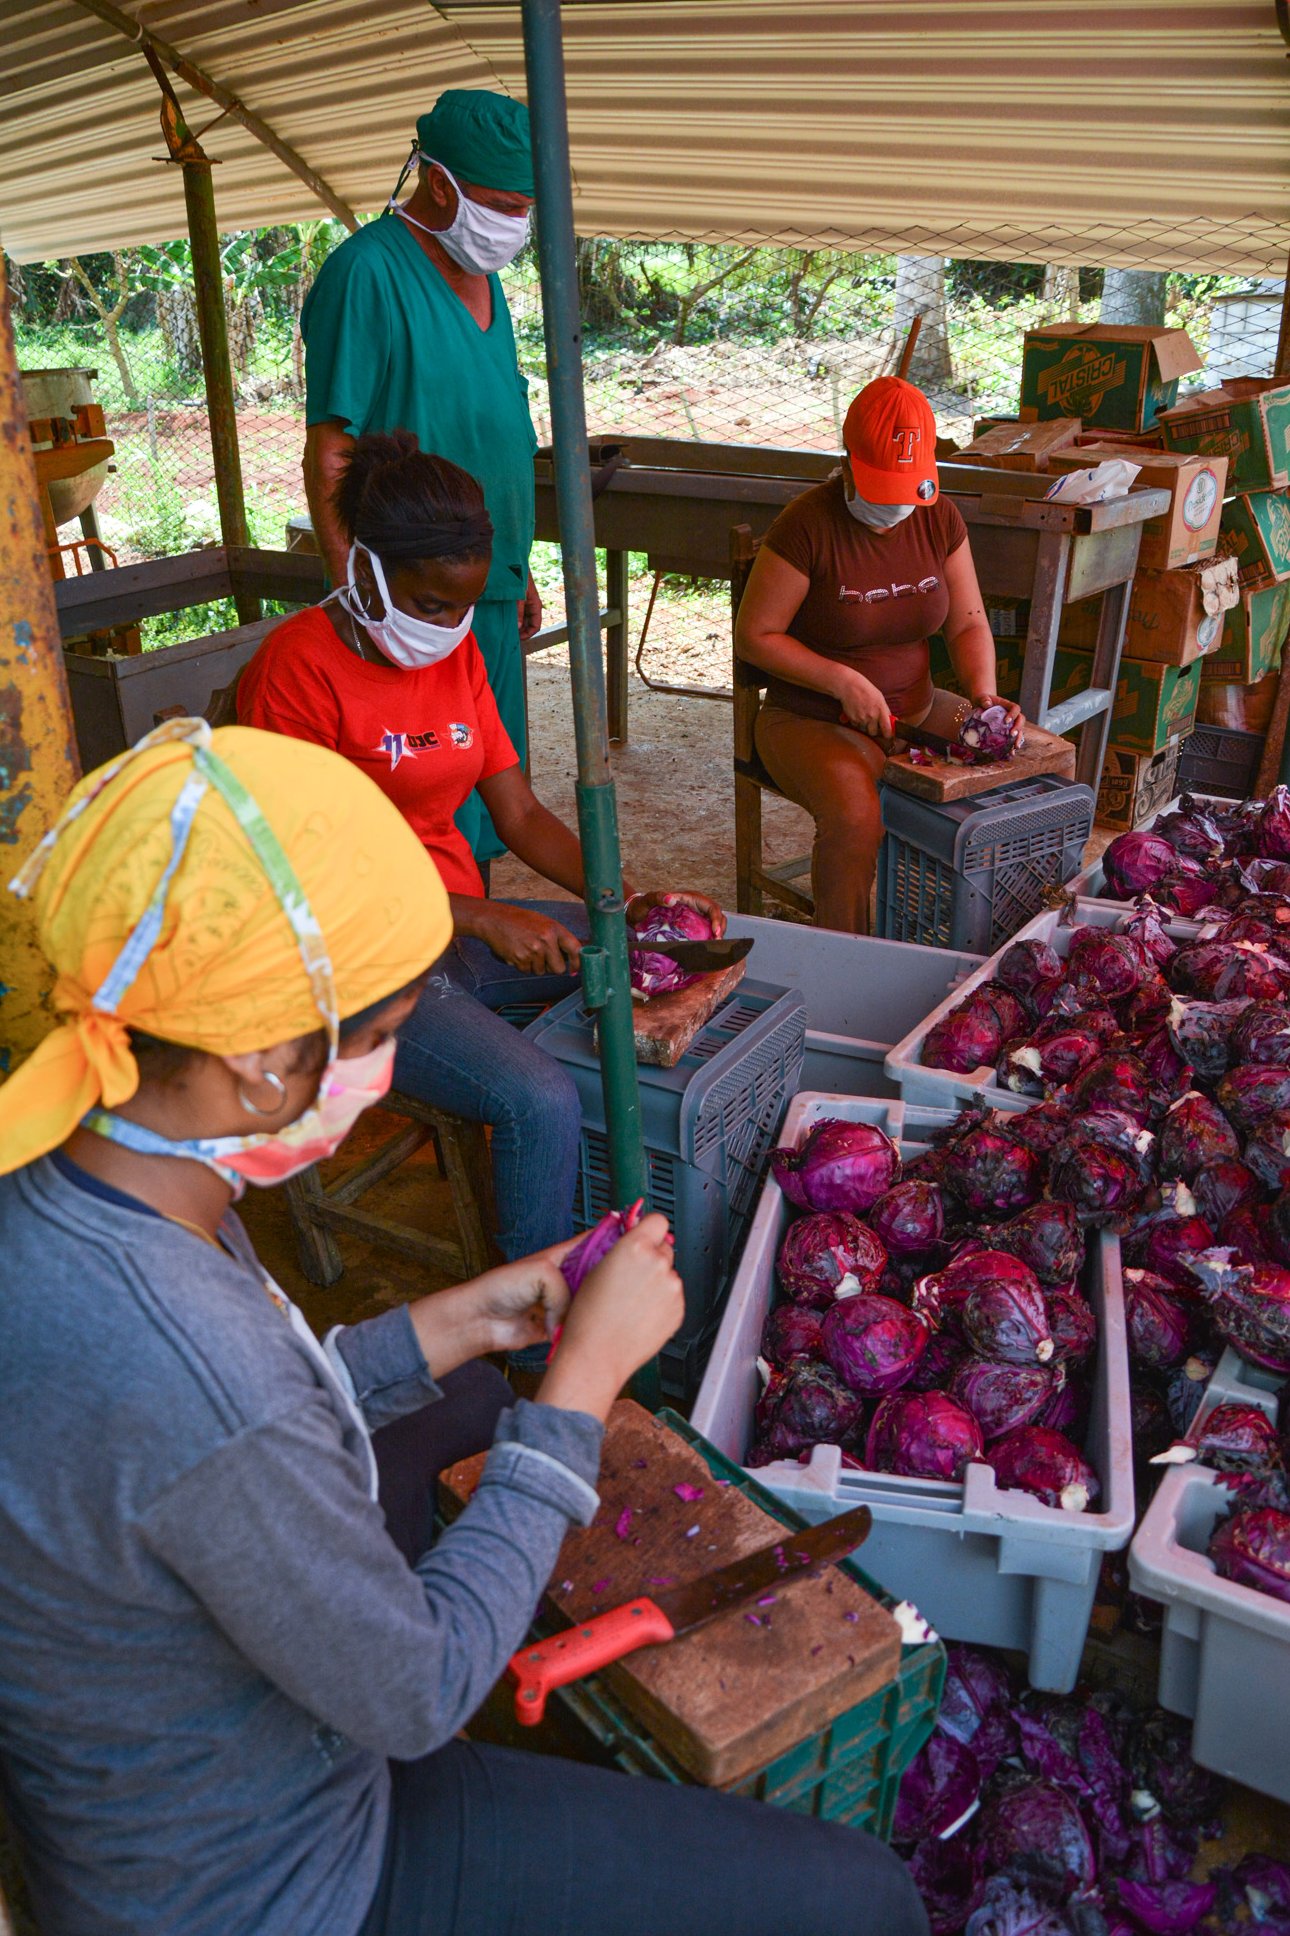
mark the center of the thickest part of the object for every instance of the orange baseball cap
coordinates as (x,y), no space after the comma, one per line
(890,437)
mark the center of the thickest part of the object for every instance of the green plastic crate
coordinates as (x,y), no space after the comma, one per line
(850,1770)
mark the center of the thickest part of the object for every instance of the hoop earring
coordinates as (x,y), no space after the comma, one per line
(280,1096)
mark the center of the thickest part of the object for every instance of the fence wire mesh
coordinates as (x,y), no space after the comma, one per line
(686,338)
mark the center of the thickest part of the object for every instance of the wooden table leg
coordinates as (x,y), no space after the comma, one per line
(616,646)
(1052,561)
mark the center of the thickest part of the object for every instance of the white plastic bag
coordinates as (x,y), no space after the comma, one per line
(1114,478)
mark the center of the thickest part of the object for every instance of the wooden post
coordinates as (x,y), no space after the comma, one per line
(38,760)
(1274,762)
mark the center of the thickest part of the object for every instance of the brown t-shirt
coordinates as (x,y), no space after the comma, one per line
(874,595)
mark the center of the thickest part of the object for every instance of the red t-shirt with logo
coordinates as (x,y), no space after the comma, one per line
(427,737)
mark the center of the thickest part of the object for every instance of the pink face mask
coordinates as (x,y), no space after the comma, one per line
(348,1087)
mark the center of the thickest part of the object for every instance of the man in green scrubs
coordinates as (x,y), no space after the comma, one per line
(406,328)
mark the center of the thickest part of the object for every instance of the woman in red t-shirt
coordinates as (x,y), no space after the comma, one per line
(850,580)
(387,672)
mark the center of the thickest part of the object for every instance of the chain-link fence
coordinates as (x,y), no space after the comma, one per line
(684,339)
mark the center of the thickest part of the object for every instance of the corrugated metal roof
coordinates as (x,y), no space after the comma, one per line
(1096,133)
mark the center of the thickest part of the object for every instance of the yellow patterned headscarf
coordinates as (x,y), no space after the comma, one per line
(224,890)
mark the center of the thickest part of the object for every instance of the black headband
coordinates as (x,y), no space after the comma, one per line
(454,537)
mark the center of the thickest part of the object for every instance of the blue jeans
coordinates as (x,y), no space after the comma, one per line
(458,1054)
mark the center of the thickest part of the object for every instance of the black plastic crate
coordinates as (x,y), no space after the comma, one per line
(968,873)
(1220,760)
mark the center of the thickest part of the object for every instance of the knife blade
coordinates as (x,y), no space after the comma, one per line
(540,1668)
(700,956)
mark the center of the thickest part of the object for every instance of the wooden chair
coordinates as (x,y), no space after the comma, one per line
(319,1209)
(754,881)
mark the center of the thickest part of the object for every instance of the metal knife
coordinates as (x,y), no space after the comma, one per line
(539,1669)
(695,956)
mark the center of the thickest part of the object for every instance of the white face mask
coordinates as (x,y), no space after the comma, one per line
(409,642)
(879,517)
(479,239)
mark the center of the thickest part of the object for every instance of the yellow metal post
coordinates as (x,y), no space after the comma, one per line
(38,762)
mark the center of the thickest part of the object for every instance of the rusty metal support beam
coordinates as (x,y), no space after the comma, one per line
(38,762)
(223,97)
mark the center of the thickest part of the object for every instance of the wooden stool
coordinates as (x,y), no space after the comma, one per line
(753,879)
(318,1208)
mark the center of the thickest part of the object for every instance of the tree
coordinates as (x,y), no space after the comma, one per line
(805,298)
(689,302)
(110,314)
(920,291)
(1134,296)
(1061,291)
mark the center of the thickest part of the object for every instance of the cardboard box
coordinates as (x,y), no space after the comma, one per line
(1188,530)
(1021,446)
(1256,535)
(1253,634)
(1175,617)
(1153,439)
(1117,376)
(1247,421)
(1136,785)
(1153,703)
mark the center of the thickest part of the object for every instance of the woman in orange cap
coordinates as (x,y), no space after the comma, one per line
(233,1663)
(851,580)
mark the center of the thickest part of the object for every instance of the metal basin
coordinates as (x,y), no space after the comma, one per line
(56,393)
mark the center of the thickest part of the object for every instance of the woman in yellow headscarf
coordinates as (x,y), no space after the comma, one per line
(232,1665)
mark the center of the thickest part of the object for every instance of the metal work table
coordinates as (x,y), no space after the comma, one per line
(676,501)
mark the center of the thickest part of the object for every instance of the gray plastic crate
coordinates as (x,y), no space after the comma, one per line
(1220,760)
(969,873)
(918,1082)
(1224,1648)
(708,1124)
(991,1566)
(1235,1381)
(862,995)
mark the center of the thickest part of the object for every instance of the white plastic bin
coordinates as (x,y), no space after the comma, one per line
(1235,1381)
(995,1567)
(862,995)
(944,1088)
(1224,1648)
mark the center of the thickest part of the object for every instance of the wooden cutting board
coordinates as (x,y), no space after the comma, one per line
(945,780)
(665,1025)
(730,1696)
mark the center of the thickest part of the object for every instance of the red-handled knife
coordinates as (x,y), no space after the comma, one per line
(539,1669)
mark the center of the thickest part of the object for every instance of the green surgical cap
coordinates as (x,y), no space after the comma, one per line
(480,137)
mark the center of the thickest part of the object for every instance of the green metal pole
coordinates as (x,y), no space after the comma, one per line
(605,981)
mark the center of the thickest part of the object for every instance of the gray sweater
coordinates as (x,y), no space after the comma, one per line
(209,1646)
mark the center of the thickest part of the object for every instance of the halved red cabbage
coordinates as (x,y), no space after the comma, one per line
(1072,1326)
(1194,1134)
(1046,1237)
(837,1166)
(873,1343)
(1220,1188)
(941,1786)
(992,1173)
(909,1218)
(1033,1833)
(829,1255)
(1250,1304)
(922,1435)
(1007,1321)
(988,733)
(1250,1094)
(790,1331)
(1160,1321)
(966,1039)
(1135,861)
(1252,1547)
(1032,970)
(1002,1396)
(1037,1460)
(802,1406)
(597,1244)
(654,973)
